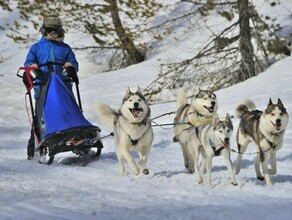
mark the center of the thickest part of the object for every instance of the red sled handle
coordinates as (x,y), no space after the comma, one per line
(27,74)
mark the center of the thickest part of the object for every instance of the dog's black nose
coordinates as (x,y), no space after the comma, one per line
(136,105)
(278,121)
(213,103)
(226,139)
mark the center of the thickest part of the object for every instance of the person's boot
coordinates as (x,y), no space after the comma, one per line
(31,146)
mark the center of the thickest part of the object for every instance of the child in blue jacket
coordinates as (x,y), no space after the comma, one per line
(50,48)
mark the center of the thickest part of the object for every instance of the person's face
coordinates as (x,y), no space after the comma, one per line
(52,33)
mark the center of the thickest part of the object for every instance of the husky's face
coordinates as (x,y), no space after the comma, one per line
(205,102)
(134,106)
(223,130)
(276,116)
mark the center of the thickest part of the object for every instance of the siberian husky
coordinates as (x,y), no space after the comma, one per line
(132,129)
(201,110)
(214,139)
(266,129)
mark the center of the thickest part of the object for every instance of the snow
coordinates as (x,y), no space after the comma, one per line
(73,188)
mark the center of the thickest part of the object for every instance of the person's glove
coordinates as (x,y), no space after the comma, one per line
(25,80)
(72,73)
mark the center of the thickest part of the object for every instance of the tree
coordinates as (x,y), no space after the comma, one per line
(228,58)
(115,26)
(4,4)
(135,56)
(247,68)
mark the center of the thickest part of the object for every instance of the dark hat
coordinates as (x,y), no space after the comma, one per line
(53,21)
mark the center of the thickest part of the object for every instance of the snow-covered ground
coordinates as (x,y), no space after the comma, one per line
(68,190)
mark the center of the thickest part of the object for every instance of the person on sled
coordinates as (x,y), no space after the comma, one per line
(50,48)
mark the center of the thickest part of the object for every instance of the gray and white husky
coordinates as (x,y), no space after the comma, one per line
(132,129)
(201,110)
(214,140)
(266,129)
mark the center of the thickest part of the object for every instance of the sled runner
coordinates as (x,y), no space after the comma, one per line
(58,123)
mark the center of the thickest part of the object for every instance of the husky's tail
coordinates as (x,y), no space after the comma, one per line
(106,115)
(244,106)
(181,99)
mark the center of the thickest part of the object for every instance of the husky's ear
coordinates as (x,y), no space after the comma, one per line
(127,91)
(280,102)
(228,120)
(139,90)
(270,102)
(198,90)
(215,120)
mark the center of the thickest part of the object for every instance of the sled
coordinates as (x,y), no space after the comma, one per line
(58,123)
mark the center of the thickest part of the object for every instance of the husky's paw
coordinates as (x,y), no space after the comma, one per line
(234,183)
(136,172)
(236,170)
(199,179)
(272,172)
(145,171)
(122,171)
(261,178)
(190,169)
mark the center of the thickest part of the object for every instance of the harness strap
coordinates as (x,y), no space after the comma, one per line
(271,144)
(197,131)
(217,152)
(134,142)
(144,122)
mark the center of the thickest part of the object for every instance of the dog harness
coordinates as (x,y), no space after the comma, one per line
(144,122)
(217,152)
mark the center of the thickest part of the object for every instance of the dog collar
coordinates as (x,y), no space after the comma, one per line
(144,122)
(277,134)
(196,113)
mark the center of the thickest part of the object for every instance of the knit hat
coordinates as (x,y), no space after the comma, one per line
(52,21)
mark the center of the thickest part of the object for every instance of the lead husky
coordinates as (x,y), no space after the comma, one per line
(214,139)
(201,110)
(132,128)
(266,129)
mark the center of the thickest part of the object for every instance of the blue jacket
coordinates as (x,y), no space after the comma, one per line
(44,51)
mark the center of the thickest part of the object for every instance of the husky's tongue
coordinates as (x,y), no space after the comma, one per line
(277,126)
(136,112)
(210,109)
(226,144)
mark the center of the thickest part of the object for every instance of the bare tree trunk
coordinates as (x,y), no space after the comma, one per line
(134,54)
(247,68)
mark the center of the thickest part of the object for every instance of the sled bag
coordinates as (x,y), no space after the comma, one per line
(61,112)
